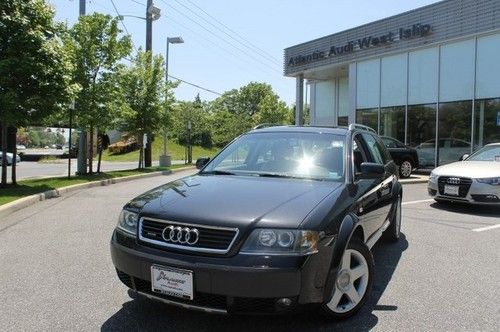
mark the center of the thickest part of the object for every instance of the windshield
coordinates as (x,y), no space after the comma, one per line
(317,156)
(488,153)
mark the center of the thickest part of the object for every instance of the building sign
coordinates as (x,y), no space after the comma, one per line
(415,31)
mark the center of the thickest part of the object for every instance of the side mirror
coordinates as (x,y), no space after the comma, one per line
(465,156)
(201,162)
(371,170)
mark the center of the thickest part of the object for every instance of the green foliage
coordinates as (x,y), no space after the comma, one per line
(143,88)
(39,138)
(34,68)
(197,113)
(96,48)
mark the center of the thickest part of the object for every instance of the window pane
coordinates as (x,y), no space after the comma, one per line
(393,76)
(368,83)
(456,80)
(376,152)
(368,117)
(486,122)
(423,76)
(488,70)
(454,131)
(392,122)
(323,103)
(422,132)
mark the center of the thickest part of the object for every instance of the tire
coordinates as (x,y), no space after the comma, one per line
(393,232)
(405,169)
(348,295)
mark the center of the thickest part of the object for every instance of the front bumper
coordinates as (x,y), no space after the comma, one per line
(477,193)
(241,283)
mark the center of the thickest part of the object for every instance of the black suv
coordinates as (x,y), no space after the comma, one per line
(281,217)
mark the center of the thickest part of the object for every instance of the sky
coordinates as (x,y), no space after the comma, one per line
(229,43)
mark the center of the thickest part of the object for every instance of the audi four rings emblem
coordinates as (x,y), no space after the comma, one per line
(453,180)
(181,235)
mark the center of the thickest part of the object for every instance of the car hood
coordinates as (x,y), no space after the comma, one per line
(235,201)
(470,169)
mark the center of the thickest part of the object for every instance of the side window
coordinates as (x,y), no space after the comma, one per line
(237,159)
(376,150)
(359,155)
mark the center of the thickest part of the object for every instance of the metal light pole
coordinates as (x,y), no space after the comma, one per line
(71,109)
(165,159)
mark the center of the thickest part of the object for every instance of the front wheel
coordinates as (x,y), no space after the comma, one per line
(353,282)
(405,169)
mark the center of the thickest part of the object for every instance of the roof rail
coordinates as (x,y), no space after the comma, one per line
(353,126)
(264,125)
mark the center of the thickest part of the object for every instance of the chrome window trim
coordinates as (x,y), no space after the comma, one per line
(186,248)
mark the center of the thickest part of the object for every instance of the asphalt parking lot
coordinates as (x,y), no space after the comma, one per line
(56,272)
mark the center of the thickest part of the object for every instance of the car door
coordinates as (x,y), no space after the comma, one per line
(385,183)
(367,190)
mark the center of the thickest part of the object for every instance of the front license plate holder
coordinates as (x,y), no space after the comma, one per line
(451,190)
(172,281)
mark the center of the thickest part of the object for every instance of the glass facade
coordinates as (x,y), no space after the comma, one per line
(392,122)
(422,132)
(454,131)
(443,100)
(368,117)
(486,122)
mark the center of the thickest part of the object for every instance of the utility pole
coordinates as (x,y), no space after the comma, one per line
(82,137)
(82,7)
(149,46)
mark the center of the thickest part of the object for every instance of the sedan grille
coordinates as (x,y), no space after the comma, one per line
(462,183)
(191,237)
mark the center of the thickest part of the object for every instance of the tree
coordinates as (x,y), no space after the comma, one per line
(144,110)
(197,113)
(272,110)
(96,49)
(33,68)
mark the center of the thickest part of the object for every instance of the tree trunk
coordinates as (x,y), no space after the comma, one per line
(91,150)
(148,152)
(14,156)
(4,153)
(99,147)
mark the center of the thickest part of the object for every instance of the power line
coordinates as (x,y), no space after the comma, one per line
(121,20)
(195,85)
(139,3)
(253,49)
(219,37)
(232,31)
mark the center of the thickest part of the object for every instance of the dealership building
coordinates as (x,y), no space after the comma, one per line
(429,77)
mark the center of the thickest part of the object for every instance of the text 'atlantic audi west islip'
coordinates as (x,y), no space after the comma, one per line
(281,218)
(475,179)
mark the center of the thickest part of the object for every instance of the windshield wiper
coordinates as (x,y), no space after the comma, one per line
(286,176)
(218,172)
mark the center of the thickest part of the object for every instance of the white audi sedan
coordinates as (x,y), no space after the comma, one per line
(476,179)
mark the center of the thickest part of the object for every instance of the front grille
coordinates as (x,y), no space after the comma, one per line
(210,239)
(463,184)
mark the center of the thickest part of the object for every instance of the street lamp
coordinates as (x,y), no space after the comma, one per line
(165,159)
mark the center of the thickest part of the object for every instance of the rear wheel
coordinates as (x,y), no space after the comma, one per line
(353,282)
(405,169)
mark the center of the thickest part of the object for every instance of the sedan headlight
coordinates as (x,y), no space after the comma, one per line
(493,181)
(433,177)
(281,242)
(127,222)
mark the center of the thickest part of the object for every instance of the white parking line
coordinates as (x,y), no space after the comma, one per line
(415,202)
(487,228)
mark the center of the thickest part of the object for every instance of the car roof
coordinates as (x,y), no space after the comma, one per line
(302,129)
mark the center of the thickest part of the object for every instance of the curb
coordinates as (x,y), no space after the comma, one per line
(412,181)
(21,203)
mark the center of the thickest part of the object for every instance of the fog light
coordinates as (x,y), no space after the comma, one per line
(284,302)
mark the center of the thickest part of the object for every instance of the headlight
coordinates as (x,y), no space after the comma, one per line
(492,181)
(127,222)
(281,242)
(433,177)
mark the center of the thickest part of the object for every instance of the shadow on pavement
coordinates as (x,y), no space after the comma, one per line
(145,315)
(464,208)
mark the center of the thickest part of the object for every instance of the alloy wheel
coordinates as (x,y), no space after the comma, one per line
(405,169)
(351,284)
